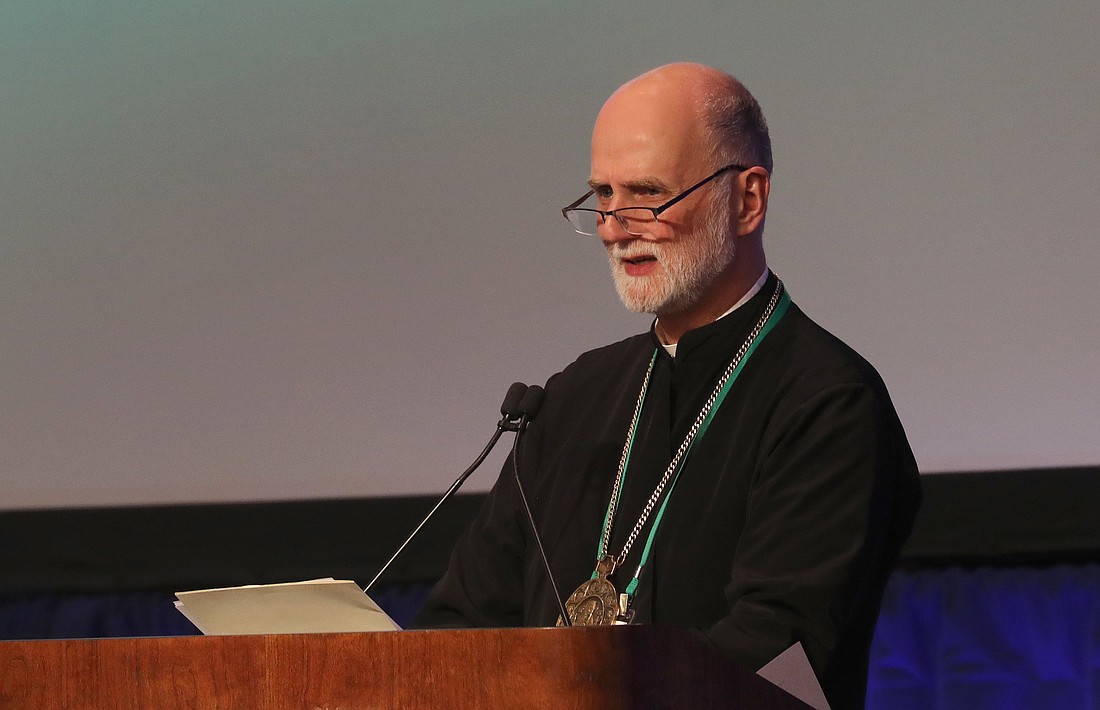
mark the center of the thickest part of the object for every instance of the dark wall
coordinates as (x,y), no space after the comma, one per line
(1033,517)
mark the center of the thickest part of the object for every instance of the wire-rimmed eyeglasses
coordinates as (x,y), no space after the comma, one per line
(634,220)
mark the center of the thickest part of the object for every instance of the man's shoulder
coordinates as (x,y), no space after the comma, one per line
(596,364)
(808,350)
(633,345)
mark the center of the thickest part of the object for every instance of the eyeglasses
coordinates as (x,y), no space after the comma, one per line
(634,220)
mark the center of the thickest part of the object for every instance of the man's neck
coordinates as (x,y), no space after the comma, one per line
(670,329)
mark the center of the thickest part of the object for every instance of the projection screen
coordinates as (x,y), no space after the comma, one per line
(281,250)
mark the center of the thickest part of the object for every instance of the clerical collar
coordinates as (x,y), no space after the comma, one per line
(671,349)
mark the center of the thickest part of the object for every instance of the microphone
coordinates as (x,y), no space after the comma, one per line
(528,407)
(511,417)
(510,409)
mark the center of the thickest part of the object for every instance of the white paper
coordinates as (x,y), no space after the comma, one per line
(314,606)
(792,672)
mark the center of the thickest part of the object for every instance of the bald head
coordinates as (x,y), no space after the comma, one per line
(706,113)
(656,140)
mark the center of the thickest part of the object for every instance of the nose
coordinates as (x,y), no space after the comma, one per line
(611,231)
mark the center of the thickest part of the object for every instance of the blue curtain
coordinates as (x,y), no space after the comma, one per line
(57,616)
(996,638)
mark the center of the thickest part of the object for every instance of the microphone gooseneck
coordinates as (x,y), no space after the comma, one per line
(528,408)
(511,417)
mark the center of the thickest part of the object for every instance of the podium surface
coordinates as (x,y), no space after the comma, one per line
(604,668)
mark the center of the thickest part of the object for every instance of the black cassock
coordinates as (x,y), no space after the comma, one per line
(782,527)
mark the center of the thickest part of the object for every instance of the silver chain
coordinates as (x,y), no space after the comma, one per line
(684,446)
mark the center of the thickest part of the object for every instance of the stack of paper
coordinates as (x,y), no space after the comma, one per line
(315,606)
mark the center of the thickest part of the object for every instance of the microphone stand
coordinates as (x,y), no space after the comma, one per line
(506,424)
(536,403)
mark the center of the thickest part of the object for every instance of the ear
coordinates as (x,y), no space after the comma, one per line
(755,185)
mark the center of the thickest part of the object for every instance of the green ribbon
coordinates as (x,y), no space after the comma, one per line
(776,315)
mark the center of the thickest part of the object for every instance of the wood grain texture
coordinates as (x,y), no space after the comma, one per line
(591,668)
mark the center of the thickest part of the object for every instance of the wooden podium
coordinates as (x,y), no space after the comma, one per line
(598,668)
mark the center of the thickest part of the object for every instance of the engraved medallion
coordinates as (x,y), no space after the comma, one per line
(595,603)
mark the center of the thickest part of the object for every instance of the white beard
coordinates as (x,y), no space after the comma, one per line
(685,270)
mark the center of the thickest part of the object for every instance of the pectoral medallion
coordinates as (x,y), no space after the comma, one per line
(595,603)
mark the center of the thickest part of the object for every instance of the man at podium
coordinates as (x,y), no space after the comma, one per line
(736,469)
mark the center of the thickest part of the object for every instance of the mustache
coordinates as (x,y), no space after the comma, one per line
(619,251)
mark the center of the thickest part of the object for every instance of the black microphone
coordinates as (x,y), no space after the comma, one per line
(510,409)
(511,416)
(528,407)
(512,400)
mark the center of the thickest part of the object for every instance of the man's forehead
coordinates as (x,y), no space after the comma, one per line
(650,129)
